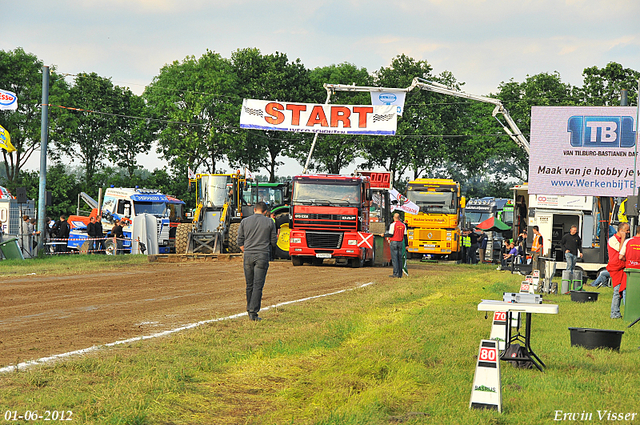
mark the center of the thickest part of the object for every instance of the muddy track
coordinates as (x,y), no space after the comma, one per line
(47,315)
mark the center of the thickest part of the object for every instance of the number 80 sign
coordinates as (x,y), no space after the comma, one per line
(488,354)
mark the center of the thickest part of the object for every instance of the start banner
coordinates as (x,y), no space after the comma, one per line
(378,120)
(583,151)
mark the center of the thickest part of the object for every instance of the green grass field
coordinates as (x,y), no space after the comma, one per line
(68,264)
(399,351)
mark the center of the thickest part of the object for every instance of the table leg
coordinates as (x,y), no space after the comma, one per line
(528,343)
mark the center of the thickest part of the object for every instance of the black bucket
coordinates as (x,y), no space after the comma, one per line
(584,296)
(595,338)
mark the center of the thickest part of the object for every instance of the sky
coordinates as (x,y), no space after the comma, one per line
(482,42)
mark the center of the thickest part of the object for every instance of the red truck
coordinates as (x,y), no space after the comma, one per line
(330,219)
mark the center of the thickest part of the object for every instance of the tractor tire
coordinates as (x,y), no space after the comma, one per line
(232,242)
(282,227)
(182,237)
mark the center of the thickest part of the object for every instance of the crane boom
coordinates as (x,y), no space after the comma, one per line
(512,129)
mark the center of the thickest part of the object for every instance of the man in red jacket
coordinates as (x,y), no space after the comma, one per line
(617,247)
(396,244)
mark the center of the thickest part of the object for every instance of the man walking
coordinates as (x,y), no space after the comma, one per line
(536,248)
(396,244)
(473,247)
(571,244)
(617,250)
(256,236)
(482,245)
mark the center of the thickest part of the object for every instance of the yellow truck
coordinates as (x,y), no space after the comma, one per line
(435,229)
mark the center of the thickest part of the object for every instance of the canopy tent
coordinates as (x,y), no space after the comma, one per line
(492,224)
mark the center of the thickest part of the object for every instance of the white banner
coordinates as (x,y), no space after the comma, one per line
(389,97)
(316,118)
(582,150)
(401,202)
(8,100)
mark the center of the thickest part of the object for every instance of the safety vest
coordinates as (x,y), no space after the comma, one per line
(536,245)
(466,241)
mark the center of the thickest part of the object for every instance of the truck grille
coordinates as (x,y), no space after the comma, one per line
(331,240)
(326,222)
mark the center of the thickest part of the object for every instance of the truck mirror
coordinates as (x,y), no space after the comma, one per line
(463,202)
(369,194)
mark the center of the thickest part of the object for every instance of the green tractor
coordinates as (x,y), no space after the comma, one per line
(277,197)
(222,201)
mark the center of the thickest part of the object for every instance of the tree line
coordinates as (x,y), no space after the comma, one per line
(191,109)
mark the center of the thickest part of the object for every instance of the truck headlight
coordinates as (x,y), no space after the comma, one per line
(295,240)
(352,242)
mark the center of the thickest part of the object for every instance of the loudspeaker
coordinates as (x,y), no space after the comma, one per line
(48,199)
(21,195)
(631,206)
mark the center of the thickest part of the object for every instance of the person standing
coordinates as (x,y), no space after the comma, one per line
(118,235)
(99,232)
(617,247)
(571,244)
(62,233)
(91,229)
(256,236)
(395,235)
(536,248)
(482,245)
(465,242)
(473,246)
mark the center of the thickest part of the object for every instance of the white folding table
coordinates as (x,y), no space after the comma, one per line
(528,309)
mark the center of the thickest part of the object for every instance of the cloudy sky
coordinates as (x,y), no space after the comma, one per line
(482,42)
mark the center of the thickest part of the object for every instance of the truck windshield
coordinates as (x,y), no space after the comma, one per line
(212,190)
(434,202)
(477,217)
(315,193)
(269,195)
(158,209)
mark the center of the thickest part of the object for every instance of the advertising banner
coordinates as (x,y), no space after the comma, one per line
(5,140)
(8,100)
(582,150)
(378,120)
(389,97)
(401,202)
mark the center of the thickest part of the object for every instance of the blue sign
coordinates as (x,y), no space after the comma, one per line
(149,198)
(602,131)
(387,98)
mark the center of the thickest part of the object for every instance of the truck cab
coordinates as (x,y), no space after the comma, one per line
(330,220)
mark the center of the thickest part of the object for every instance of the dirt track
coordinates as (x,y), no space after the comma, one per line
(43,316)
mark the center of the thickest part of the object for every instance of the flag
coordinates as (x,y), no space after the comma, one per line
(390,97)
(5,140)
(248,174)
(191,174)
(8,100)
(400,202)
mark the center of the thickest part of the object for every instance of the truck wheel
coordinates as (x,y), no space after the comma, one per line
(357,262)
(282,227)
(296,261)
(233,238)
(372,261)
(110,247)
(182,237)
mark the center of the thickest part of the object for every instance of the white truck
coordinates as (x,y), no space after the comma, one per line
(554,215)
(126,203)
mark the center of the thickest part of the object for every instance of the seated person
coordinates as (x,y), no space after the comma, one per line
(510,256)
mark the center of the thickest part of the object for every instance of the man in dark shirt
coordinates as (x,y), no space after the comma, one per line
(571,245)
(473,236)
(62,232)
(256,236)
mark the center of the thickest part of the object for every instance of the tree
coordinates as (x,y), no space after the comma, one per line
(88,131)
(266,77)
(602,86)
(196,102)
(21,73)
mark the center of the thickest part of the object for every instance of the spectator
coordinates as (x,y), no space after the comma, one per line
(482,245)
(118,235)
(256,236)
(473,247)
(571,244)
(62,230)
(617,247)
(603,279)
(536,248)
(99,232)
(91,233)
(510,256)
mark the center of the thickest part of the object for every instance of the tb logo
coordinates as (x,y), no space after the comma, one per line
(601,132)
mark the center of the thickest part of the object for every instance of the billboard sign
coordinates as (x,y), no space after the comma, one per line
(378,120)
(389,97)
(583,151)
